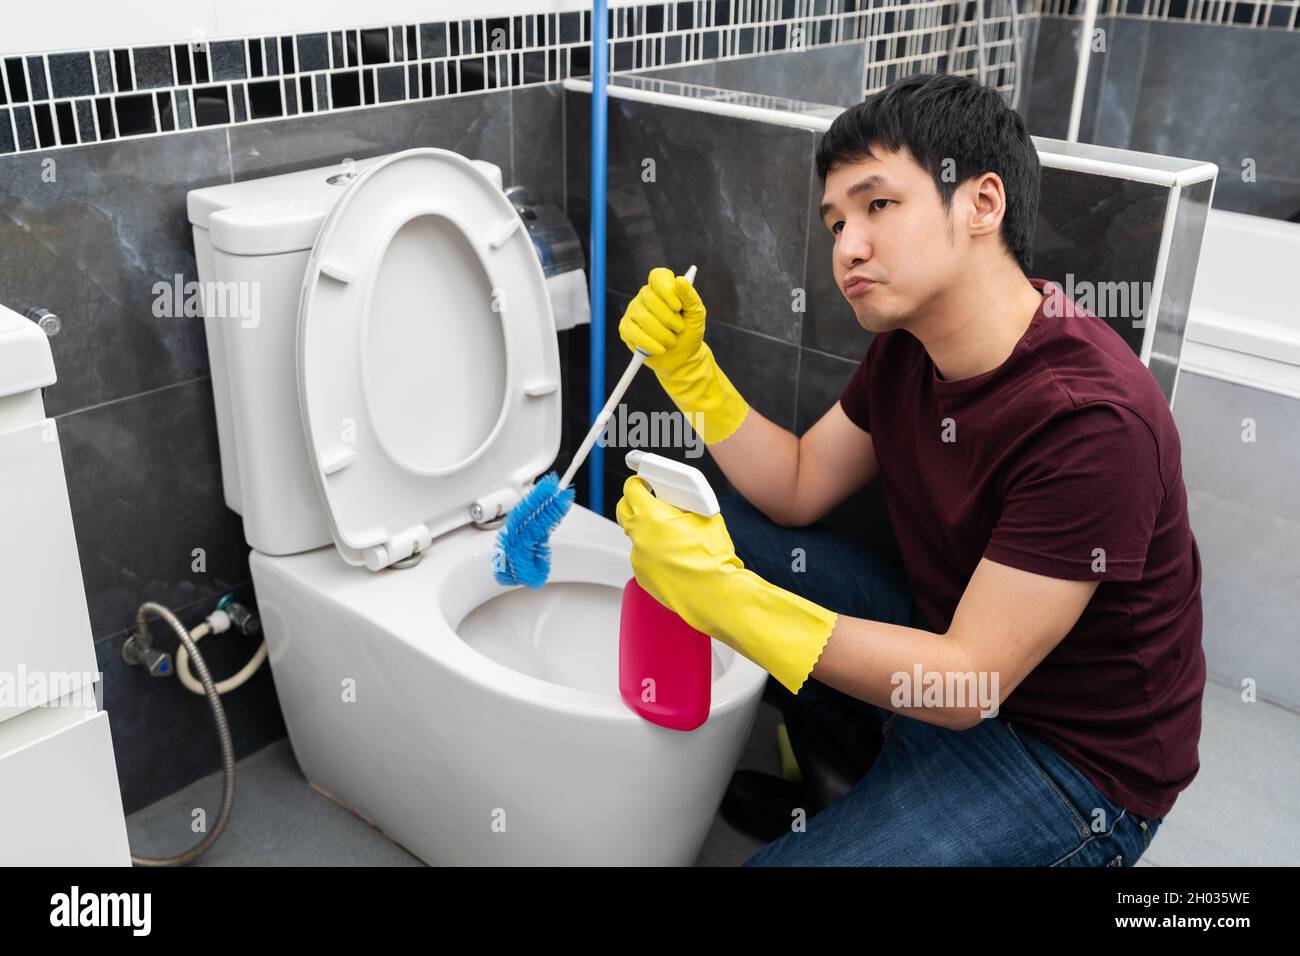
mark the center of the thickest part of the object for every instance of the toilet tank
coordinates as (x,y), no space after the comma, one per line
(252,241)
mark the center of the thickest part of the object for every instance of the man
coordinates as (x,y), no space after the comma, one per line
(1040,702)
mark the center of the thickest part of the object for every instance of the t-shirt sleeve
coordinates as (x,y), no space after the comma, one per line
(855,399)
(1080,502)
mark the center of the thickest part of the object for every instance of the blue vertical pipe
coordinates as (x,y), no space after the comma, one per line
(599,132)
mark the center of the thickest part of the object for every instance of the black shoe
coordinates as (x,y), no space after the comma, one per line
(762,805)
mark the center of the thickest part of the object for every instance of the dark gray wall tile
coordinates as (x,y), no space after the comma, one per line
(1052,91)
(764,370)
(703,74)
(104,71)
(1275,198)
(392,84)
(569,399)
(36,78)
(71,74)
(144,481)
(712,204)
(90,247)
(23,126)
(475,126)
(313,52)
(240,102)
(153,67)
(228,59)
(537,142)
(822,379)
(575,375)
(85,121)
(433,40)
(863,515)
(830,74)
(1098,229)
(1028,53)
(1125,53)
(1186,108)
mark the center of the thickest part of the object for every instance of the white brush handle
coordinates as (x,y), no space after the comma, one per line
(638,357)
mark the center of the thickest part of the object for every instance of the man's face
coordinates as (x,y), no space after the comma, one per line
(895,247)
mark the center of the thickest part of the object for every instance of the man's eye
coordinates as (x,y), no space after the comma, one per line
(837,227)
(874,202)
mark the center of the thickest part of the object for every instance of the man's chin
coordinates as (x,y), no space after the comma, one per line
(873,321)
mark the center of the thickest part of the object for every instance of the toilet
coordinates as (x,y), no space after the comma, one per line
(386,378)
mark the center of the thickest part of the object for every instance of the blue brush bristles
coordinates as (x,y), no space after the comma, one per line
(523,551)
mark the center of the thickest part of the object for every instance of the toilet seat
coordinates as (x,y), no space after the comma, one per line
(428,365)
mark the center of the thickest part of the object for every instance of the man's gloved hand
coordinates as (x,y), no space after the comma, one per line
(666,320)
(688,563)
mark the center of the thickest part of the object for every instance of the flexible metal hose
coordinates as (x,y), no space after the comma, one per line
(223,734)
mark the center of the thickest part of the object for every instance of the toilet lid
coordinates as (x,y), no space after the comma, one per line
(428,367)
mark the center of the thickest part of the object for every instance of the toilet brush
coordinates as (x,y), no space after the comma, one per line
(523,551)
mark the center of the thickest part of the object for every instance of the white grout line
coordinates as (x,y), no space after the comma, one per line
(49,100)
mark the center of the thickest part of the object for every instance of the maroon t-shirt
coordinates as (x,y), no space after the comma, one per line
(1062,461)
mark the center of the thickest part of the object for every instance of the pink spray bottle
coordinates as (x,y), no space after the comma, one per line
(665,666)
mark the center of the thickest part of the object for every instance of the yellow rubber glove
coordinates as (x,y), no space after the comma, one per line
(666,320)
(688,563)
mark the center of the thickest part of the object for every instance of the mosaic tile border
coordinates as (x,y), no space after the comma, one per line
(50,100)
(1262,14)
(57,99)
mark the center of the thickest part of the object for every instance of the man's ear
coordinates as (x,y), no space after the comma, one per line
(988,204)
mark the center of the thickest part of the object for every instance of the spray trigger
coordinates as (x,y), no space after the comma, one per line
(682,486)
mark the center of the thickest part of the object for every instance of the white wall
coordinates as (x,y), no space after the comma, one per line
(38,27)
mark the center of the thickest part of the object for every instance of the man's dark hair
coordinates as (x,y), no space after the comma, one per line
(937,117)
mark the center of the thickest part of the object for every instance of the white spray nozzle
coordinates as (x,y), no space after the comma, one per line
(682,486)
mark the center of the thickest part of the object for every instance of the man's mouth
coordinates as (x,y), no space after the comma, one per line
(857,285)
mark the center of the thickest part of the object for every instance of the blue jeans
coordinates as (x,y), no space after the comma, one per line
(988,796)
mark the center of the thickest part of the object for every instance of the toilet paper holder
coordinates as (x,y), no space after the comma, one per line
(560,253)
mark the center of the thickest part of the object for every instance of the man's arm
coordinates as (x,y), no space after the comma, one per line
(796,481)
(1007,621)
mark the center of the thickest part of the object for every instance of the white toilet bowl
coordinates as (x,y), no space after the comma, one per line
(477,725)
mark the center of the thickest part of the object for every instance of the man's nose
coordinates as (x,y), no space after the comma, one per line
(854,246)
